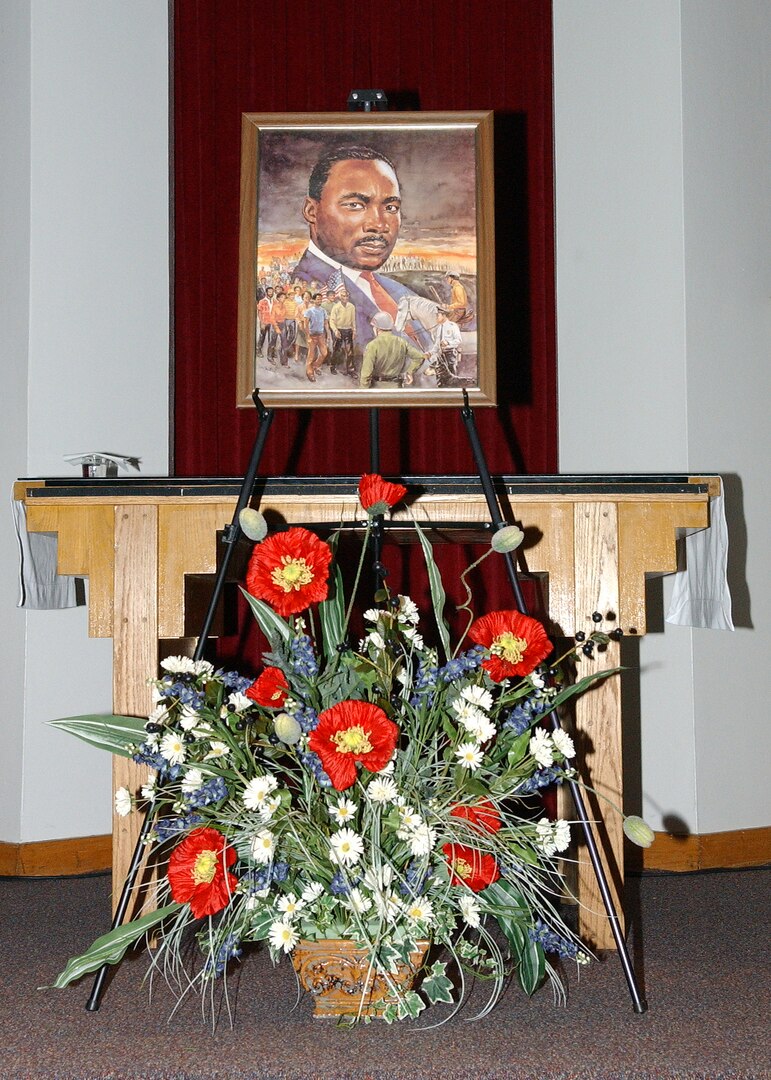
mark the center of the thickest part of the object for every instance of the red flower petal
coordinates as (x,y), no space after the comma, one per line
(269,689)
(483,815)
(516,642)
(351,732)
(470,867)
(197,873)
(289,571)
(374,489)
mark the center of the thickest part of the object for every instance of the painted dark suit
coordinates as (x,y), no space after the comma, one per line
(312,268)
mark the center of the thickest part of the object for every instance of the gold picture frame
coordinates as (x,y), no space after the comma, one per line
(396,211)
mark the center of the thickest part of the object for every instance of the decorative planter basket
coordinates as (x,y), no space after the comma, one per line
(338,974)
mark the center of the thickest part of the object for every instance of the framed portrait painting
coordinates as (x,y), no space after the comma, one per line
(366,259)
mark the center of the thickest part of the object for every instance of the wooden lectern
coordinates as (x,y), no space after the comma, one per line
(595,537)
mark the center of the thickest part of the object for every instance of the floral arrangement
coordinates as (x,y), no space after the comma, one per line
(378,792)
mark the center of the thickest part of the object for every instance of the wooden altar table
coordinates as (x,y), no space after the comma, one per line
(594,537)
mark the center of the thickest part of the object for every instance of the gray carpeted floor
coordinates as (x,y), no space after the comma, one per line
(701,943)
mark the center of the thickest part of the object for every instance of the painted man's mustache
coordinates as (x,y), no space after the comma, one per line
(370,240)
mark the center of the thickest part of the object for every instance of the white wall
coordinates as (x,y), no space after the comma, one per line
(14,343)
(95,282)
(662,150)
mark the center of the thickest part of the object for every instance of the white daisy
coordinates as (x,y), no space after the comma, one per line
(290,905)
(537,680)
(173,748)
(282,935)
(257,790)
(217,749)
(481,728)
(269,807)
(344,812)
(466,712)
(415,639)
(408,610)
(375,639)
(147,791)
(469,909)
(477,695)
(158,715)
(263,845)
(312,891)
(422,840)
(345,847)
(420,910)
(544,836)
(239,700)
(561,835)
(542,748)
(388,905)
(188,718)
(564,743)
(356,901)
(123,802)
(372,614)
(192,780)
(469,756)
(410,818)
(180,665)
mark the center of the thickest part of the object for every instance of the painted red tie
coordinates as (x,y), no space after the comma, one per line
(383,299)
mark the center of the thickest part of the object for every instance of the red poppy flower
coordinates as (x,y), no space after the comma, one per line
(470,867)
(269,688)
(482,815)
(289,571)
(353,731)
(197,872)
(516,642)
(377,495)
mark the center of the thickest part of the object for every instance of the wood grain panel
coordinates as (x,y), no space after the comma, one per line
(598,718)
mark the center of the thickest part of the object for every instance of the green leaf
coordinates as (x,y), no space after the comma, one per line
(271,624)
(436,986)
(108,732)
(332,616)
(531,967)
(111,947)
(410,1004)
(259,925)
(582,685)
(438,596)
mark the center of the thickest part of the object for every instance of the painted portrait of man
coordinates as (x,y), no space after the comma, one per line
(385,214)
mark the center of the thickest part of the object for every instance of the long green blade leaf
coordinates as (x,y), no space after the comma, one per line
(332,616)
(111,947)
(271,624)
(438,596)
(108,732)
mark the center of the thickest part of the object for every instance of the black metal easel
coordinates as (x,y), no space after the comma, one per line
(638,1002)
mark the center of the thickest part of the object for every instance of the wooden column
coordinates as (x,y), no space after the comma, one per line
(135,654)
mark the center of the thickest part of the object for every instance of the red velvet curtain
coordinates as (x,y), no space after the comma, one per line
(234,56)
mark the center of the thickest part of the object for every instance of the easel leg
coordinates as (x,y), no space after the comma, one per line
(230,538)
(639,1004)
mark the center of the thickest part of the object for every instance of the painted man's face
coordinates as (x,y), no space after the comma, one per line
(356,221)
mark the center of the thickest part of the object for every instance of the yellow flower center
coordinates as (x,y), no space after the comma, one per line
(291,574)
(462,868)
(509,647)
(352,740)
(205,867)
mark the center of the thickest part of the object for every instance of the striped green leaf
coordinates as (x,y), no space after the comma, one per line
(108,732)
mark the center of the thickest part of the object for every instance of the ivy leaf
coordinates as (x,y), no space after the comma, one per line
(410,1004)
(436,986)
